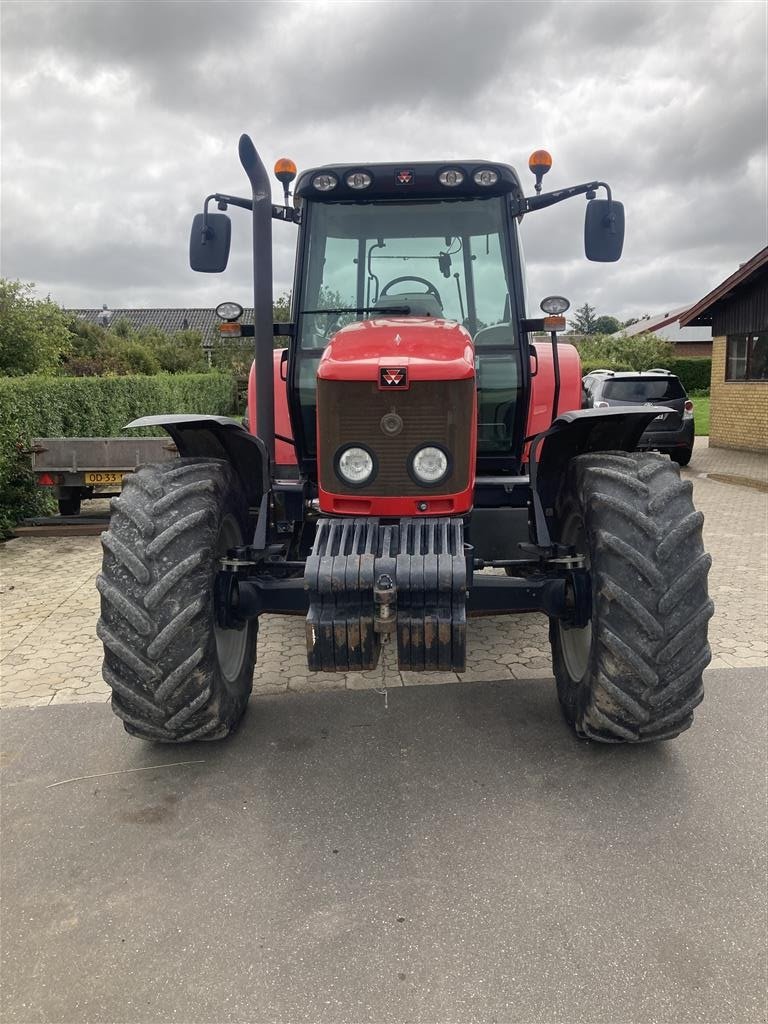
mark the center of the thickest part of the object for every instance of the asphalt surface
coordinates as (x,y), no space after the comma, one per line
(454,856)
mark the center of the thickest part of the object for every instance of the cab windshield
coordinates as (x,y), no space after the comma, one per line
(443,258)
(363,255)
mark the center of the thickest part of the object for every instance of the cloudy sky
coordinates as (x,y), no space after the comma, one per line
(118,118)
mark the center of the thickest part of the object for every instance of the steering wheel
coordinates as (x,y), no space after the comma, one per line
(431,290)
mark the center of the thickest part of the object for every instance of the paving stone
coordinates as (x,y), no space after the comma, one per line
(524,672)
(75,697)
(30,702)
(49,603)
(475,675)
(428,678)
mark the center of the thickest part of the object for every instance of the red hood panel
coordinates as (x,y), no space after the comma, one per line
(430,349)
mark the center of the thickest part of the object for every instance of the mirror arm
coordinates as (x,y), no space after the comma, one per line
(207,232)
(530,203)
(223,201)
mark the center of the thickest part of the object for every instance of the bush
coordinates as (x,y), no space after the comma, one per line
(37,406)
(34,334)
(640,352)
(694,374)
(589,365)
(98,351)
(181,352)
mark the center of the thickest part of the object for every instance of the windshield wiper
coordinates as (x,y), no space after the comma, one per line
(361,309)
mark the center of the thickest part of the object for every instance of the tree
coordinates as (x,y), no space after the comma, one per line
(584,320)
(614,351)
(34,333)
(606,325)
(281,309)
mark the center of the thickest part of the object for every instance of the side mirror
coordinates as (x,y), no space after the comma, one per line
(209,246)
(604,230)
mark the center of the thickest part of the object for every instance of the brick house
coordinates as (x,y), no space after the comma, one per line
(737,310)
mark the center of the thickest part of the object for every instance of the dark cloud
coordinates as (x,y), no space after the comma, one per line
(120,116)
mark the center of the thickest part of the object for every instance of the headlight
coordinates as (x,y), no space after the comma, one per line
(429,465)
(355,465)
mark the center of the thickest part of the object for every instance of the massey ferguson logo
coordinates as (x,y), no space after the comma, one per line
(393,377)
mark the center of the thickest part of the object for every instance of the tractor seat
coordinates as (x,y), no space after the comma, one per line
(495,336)
(420,303)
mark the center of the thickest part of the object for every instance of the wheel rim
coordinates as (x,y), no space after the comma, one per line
(576,643)
(231,644)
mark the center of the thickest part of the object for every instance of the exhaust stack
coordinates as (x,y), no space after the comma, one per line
(261,189)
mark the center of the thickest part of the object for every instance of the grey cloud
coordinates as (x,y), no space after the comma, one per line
(120,117)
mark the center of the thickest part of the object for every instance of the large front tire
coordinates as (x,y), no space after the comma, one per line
(175,676)
(634,674)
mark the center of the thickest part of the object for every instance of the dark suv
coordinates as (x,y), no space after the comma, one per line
(670,432)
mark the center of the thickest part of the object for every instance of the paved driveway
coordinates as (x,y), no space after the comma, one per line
(457,856)
(451,854)
(49,653)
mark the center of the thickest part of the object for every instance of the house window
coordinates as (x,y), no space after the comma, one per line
(747,357)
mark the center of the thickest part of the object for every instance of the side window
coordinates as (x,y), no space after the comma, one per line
(491,295)
(340,274)
(331,284)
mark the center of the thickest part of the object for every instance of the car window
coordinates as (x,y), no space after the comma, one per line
(644,389)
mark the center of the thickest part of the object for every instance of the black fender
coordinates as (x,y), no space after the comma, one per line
(218,437)
(618,428)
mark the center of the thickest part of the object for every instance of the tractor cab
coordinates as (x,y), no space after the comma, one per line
(414,245)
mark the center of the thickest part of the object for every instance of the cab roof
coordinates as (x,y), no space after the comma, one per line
(406,181)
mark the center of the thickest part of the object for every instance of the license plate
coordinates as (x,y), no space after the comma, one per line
(104,478)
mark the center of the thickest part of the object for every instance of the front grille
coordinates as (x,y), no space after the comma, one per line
(438,412)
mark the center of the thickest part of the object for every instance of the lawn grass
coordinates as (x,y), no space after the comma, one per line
(701,415)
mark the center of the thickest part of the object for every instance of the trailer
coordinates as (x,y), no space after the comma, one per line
(78,468)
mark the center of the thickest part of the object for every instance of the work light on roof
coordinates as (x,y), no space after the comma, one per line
(325,182)
(485,177)
(358,179)
(451,177)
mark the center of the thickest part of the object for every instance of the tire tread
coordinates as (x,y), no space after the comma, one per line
(651,606)
(156,621)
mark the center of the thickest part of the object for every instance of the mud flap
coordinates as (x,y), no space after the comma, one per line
(366,578)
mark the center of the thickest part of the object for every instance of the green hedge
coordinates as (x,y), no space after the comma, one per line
(87,407)
(694,374)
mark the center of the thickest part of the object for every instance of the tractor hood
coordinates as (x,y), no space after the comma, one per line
(396,352)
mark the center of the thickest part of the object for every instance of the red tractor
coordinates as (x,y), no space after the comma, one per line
(409,437)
